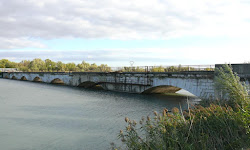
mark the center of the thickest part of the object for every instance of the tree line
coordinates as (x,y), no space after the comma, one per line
(47,65)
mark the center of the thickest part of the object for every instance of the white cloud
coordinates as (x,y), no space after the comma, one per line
(13,43)
(24,22)
(151,56)
(119,19)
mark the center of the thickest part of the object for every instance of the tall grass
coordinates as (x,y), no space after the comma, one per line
(229,86)
(213,127)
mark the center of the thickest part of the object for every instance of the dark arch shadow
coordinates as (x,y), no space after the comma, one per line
(57,81)
(89,84)
(14,78)
(24,78)
(6,77)
(161,89)
(37,79)
(168,90)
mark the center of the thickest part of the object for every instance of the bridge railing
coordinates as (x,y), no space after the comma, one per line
(179,68)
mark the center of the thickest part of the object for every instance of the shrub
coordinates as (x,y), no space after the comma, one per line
(212,127)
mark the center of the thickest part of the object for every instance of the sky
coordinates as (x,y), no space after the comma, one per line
(116,32)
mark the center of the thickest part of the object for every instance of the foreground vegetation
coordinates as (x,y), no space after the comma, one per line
(222,124)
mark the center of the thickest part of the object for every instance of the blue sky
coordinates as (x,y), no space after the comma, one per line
(152,32)
(95,44)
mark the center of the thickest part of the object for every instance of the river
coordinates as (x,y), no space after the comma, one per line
(39,116)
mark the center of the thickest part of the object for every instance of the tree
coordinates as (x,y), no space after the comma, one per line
(85,66)
(93,67)
(60,66)
(38,64)
(5,63)
(23,65)
(71,67)
(50,65)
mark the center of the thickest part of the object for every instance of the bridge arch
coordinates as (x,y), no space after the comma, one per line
(161,89)
(90,84)
(200,87)
(57,81)
(37,79)
(14,78)
(23,78)
(6,77)
(167,89)
(87,84)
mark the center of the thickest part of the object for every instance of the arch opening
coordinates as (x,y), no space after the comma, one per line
(89,84)
(6,77)
(24,78)
(168,90)
(161,89)
(37,79)
(57,81)
(14,78)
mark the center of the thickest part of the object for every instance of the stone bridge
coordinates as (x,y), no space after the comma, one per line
(199,83)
